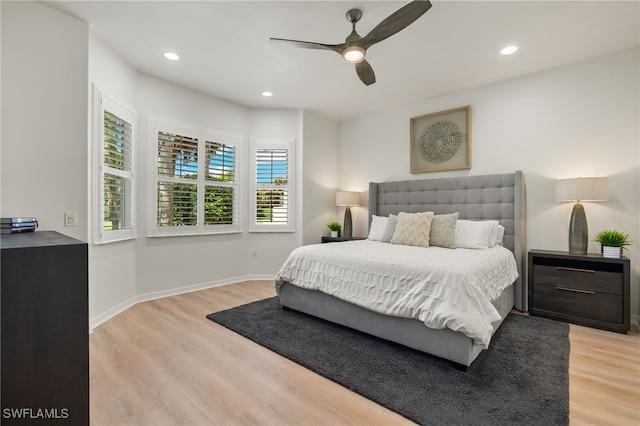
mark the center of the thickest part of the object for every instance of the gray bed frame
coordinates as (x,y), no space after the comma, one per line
(499,197)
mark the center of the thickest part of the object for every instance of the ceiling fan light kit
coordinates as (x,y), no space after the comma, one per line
(353,54)
(354,48)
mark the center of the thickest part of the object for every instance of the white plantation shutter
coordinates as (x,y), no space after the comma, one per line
(195,181)
(221,182)
(272,181)
(114,192)
(177,155)
(177,167)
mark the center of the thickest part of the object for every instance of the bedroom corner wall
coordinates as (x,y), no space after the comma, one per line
(124,273)
(44,116)
(112,267)
(166,264)
(272,249)
(320,180)
(578,120)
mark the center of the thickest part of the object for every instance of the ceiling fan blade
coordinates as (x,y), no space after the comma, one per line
(365,72)
(397,21)
(309,44)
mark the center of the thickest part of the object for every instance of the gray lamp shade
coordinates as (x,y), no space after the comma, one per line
(576,190)
(347,198)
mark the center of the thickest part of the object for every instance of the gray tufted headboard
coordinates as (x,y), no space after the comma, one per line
(499,197)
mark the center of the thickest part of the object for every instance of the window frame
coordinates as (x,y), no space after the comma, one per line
(157,125)
(103,102)
(257,144)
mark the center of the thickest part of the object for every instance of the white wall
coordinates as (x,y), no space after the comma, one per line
(272,249)
(578,120)
(44,116)
(168,263)
(112,267)
(154,267)
(320,159)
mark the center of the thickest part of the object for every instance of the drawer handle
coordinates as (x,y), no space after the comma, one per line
(563,268)
(575,290)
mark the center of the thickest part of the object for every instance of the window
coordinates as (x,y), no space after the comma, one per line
(272,192)
(195,181)
(115,185)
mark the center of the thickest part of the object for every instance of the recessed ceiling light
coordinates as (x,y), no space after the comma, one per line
(266,94)
(172,56)
(509,50)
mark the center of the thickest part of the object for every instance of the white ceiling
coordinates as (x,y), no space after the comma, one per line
(225,48)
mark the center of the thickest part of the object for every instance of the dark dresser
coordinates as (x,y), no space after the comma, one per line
(45,329)
(586,289)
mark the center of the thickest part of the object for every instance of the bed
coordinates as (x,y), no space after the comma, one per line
(498,197)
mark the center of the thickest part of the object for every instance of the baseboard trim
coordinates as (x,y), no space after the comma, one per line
(105,316)
(118,309)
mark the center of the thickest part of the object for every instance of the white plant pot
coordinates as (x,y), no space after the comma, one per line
(334,234)
(612,252)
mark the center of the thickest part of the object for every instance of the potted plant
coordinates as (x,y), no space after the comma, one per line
(613,242)
(335,228)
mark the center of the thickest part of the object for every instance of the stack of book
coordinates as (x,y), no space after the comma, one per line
(16,225)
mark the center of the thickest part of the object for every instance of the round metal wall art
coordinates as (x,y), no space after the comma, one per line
(440,141)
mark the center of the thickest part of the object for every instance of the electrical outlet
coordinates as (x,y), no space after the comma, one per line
(254,254)
(70,219)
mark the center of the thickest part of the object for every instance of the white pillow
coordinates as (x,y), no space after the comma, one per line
(390,228)
(476,234)
(493,236)
(378,225)
(500,235)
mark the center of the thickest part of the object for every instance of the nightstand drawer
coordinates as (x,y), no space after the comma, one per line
(576,302)
(579,277)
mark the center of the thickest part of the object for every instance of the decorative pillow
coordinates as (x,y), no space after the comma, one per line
(443,230)
(493,236)
(413,229)
(378,224)
(476,234)
(390,228)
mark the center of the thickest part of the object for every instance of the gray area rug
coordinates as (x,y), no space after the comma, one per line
(522,379)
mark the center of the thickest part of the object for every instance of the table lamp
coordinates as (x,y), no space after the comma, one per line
(347,198)
(577,190)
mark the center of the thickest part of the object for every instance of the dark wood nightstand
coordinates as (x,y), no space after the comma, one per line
(589,289)
(340,239)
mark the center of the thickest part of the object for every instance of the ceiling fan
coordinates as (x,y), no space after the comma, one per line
(354,48)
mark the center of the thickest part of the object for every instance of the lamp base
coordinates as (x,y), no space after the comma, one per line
(348,226)
(578,230)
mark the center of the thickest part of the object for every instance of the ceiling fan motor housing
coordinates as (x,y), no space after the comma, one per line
(354,15)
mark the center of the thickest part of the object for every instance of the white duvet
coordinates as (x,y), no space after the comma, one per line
(441,287)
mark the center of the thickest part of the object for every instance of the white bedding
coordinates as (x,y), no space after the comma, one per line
(441,287)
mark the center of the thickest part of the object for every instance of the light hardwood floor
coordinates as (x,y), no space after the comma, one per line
(163,363)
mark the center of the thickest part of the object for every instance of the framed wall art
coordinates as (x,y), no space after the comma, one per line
(441,141)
